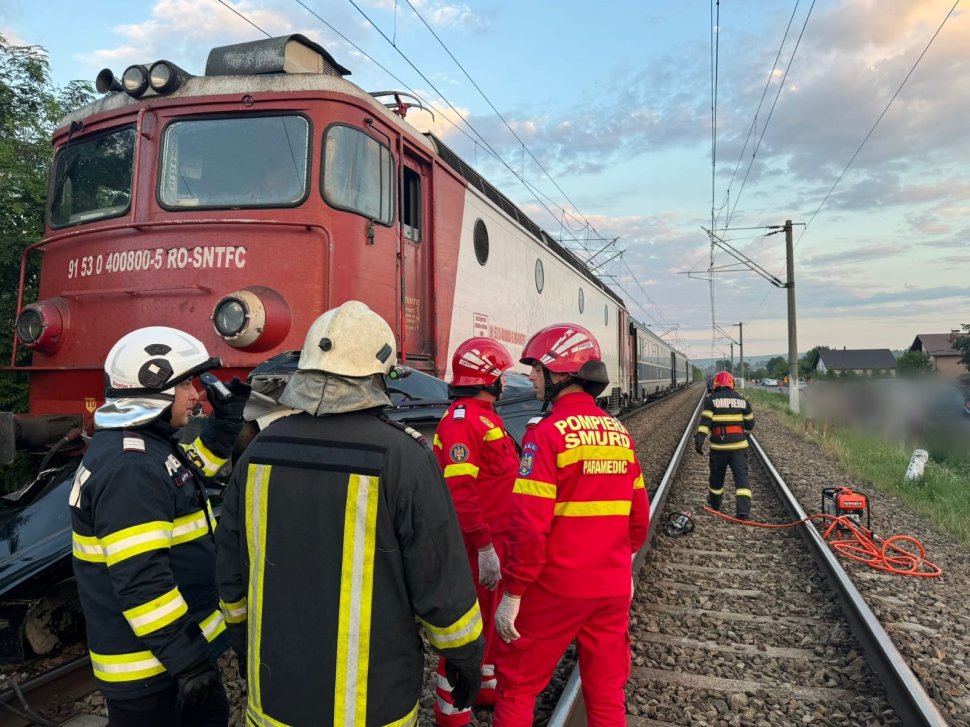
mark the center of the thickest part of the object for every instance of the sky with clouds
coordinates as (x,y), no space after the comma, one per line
(596,118)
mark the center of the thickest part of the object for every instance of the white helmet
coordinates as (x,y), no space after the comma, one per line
(142,370)
(350,340)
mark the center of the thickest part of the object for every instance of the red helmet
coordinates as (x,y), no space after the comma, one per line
(479,361)
(562,348)
(566,348)
(722,379)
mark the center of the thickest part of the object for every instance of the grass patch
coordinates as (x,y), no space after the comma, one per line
(941,496)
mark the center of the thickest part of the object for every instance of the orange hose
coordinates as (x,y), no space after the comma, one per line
(862,546)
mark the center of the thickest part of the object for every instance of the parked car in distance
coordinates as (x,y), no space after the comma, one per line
(769,382)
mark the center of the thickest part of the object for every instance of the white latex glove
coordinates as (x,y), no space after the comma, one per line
(489,568)
(505,616)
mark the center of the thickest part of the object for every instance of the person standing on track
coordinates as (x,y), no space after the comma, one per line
(727,417)
(479,460)
(144,546)
(579,512)
(337,535)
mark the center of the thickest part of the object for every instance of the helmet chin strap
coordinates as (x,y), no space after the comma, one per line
(495,388)
(551,390)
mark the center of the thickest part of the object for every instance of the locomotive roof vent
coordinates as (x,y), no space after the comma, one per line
(285,54)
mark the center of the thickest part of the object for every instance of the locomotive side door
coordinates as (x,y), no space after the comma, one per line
(417,302)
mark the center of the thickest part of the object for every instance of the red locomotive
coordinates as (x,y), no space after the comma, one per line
(241,204)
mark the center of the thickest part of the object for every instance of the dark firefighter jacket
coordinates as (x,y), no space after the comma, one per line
(337,532)
(144,554)
(727,417)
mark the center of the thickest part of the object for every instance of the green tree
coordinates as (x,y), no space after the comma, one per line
(722,364)
(30,108)
(962,344)
(915,363)
(777,367)
(808,362)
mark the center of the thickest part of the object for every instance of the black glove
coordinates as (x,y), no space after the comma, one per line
(699,443)
(229,408)
(238,641)
(195,684)
(465,682)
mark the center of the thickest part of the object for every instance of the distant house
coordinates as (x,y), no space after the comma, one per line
(940,348)
(862,361)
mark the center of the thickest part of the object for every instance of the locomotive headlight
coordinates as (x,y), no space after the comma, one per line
(230,317)
(165,77)
(40,326)
(252,319)
(135,80)
(29,326)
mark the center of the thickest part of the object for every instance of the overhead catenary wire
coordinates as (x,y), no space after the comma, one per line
(715,48)
(866,138)
(754,120)
(871,130)
(508,126)
(231,8)
(771,111)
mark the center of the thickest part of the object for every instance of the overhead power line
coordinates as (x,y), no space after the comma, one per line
(232,9)
(781,85)
(754,121)
(868,135)
(492,106)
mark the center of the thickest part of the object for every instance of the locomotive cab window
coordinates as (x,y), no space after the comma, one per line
(411,205)
(91,179)
(230,162)
(358,173)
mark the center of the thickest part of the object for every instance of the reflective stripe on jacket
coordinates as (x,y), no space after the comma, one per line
(144,557)
(727,417)
(337,535)
(479,461)
(580,507)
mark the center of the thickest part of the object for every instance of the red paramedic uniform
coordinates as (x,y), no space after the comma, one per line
(480,462)
(579,512)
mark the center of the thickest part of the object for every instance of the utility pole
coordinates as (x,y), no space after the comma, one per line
(792,337)
(790,285)
(741,346)
(732,358)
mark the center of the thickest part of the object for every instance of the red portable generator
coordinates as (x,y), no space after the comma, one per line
(842,501)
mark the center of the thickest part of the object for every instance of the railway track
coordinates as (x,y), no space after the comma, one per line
(50,697)
(739,625)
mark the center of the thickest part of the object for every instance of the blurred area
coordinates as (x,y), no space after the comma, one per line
(928,413)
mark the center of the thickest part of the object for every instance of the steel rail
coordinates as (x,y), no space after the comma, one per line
(72,679)
(903,689)
(570,710)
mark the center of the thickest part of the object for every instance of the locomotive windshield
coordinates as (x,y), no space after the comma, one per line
(252,161)
(357,173)
(91,178)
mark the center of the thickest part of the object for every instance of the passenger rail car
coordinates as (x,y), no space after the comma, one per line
(241,204)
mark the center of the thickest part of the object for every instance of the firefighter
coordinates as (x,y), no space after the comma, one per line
(479,460)
(579,512)
(144,549)
(727,417)
(337,532)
